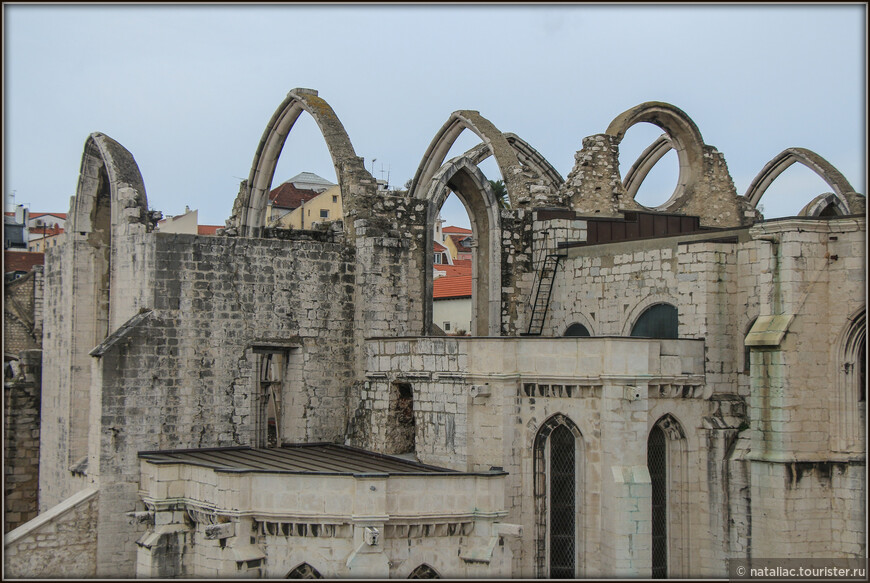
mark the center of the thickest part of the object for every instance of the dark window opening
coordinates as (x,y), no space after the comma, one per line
(324,214)
(830,211)
(577,330)
(304,571)
(658,321)
(401,426)
(657,464)
(424,571)
(747,353)
(271,385)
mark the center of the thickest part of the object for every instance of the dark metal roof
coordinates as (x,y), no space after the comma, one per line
(312,458)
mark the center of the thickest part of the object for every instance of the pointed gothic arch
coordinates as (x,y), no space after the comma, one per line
(850,399)
(472,188)
(843,191)
(528,157)
(109,206)
(249,210)
(505,155)
(667,461)
(645,163)
(304,571)
(424,571)
(826,204)
(559,455)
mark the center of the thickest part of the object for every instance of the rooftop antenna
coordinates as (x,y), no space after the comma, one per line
(373,164)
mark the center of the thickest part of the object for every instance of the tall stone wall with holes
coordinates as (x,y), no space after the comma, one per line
(440,407)
(182,372)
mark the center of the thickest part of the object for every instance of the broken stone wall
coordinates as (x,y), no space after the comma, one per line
(60,543)
(21,406)
(22,312)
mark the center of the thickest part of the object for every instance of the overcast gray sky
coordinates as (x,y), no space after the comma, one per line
(189,89)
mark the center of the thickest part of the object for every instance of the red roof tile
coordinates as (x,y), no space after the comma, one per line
(459,267)
(37,215)
(438,247)
(456,230)
(289,197)
(21,260)
(452,287)
(207,229)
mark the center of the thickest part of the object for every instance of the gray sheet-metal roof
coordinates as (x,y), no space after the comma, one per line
(313,458)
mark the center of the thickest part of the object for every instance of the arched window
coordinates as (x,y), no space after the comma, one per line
(657,321)
(558,459)
(657,461)
(577,330)
(424,571)
(851,361)
(667,464)
(304,571)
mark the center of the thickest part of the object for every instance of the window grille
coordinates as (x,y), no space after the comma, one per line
(304,571)
(658,321)
(424,572)
(577,330)
(657,464)
(562,504)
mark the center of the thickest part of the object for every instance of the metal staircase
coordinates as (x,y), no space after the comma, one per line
(542,296)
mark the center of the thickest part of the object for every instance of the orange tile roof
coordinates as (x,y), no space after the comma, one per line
(458,286)
(438,247)
(21,260)
(457,230)
(459,267)
(37,215)
(207,229)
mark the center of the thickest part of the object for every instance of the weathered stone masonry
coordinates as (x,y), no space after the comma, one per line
(261,337)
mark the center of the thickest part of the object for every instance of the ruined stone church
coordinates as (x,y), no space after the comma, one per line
(647,392)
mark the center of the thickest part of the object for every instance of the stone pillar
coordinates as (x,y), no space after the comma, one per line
(368,560)
(626,543)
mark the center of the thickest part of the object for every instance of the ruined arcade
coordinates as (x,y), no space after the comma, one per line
(272,402)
